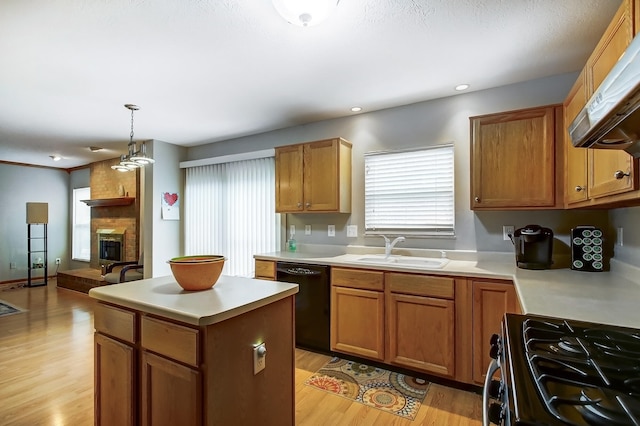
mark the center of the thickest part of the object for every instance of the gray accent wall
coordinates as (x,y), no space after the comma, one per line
(418,125)
(20,185)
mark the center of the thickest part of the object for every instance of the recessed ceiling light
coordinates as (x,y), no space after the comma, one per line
(55,157)
(356,109)
(461,87)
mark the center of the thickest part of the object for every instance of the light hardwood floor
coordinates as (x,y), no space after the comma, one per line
(46,372)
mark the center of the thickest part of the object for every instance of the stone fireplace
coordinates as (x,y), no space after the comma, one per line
(122,220)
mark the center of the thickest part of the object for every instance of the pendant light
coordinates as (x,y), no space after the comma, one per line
(305,13)
(135,157)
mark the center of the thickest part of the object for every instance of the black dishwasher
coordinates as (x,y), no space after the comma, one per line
(312,303)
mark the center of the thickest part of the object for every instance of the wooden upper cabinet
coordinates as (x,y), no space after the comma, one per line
(600,176)
(611,46)
(513,159)
(576,180)
(314,177)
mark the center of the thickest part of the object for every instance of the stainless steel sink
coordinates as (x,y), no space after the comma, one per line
(422,262)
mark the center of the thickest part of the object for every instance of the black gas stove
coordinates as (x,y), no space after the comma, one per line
(564,372)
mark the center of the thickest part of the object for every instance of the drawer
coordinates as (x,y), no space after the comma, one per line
(421,285)
(357,278)
(171,340)
(266,269)
(115,322)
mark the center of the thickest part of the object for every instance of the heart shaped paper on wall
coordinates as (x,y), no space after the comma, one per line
(170,206)
(170,199)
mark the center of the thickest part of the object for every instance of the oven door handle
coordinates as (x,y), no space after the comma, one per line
(493,367)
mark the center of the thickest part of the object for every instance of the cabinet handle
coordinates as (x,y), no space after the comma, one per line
(308,205)
(619,174)
(299,204)
(477,199)
(579,188)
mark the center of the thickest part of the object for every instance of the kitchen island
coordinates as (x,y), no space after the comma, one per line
(168,356)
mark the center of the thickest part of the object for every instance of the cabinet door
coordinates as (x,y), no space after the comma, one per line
(491,300)
(115,397)
(576,189)
(321,178)
(357,322)
(422,333)
(513,159)
(289,176)
(611,46)
(603,164)
(170,393)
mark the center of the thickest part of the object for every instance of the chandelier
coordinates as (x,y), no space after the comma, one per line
(135,157)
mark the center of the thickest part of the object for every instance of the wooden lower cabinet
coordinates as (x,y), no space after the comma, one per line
(265,270)
(152,370)
(357,322)
(115,391)
(421,333)
(170,392)
(491,300)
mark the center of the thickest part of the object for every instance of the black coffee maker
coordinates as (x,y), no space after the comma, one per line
(534,247)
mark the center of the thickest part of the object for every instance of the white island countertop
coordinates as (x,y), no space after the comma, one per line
(611,297)
(229,297)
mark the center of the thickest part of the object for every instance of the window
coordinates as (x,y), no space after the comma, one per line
(410,192)
(81,228)
(230,210)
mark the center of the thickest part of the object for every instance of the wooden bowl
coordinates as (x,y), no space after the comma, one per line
(194,273)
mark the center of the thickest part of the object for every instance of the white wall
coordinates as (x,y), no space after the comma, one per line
(162,239)
(421,124)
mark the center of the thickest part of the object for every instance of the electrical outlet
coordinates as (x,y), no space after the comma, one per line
(259,357)
(292,230)
(352,231)
(57,260)
(506,231)
(619,236)
(331,230)
(12,265)
(307,230)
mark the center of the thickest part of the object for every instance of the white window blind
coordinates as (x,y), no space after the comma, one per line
(81,229)
(230,210)
(410,192)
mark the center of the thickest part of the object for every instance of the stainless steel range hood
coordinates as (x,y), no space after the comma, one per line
(611,118)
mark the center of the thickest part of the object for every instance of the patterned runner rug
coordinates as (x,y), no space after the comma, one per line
(395,393)
(7,309)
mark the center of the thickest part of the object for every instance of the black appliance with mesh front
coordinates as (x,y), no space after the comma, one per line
(587,252)
(312,303)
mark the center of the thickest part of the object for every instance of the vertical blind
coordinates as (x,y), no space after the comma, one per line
(410,192)
(81,230)
(230,210)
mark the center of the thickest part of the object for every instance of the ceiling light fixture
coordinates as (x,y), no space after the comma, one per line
(135,158)
(356,109)
(461,87)
(305,13)
(55,157)
(95,148)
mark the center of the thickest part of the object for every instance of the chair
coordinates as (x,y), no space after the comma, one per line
(120,272)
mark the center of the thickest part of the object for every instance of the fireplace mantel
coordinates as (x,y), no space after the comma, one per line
(108,202)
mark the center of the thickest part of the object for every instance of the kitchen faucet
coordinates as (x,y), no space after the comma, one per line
(388,245)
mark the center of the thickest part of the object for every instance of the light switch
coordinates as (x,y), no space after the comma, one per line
(331,231)
(259,357)
(352,231)
(292,230)
(307,230)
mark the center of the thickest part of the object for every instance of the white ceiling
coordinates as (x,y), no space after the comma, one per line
(209,70)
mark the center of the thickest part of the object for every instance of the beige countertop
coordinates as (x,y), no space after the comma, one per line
(611,297)
(229,297)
